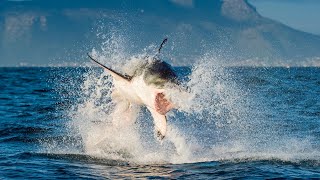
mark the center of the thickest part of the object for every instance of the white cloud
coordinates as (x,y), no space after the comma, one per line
(43,22)
(184,3)
(18,0)
(18,24)
(79,14)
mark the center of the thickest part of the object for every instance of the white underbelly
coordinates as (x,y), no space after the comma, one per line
(145,92)
(126,91)
(137,91)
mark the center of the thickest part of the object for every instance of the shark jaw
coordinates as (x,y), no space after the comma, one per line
(144,88)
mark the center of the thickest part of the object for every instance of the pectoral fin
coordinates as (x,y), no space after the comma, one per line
(113,73)
(160,123)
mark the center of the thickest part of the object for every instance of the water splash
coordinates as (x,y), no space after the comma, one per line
(217,120)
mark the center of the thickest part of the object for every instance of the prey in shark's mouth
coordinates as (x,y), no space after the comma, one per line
(147,86)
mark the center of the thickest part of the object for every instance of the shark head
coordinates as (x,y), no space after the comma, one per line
(159,73)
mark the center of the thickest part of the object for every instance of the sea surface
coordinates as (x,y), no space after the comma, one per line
(245,123)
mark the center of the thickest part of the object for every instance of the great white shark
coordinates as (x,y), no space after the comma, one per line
(146,87)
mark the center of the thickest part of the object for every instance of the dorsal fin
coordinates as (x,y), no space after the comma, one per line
(111,71)
(163,42)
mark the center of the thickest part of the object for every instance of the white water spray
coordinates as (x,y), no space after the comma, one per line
(213,121)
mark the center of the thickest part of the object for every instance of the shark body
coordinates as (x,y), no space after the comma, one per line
(145,87)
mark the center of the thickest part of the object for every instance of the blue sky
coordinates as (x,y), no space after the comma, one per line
(299,14)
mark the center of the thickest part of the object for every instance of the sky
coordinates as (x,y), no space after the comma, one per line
(300,14)
(50,30)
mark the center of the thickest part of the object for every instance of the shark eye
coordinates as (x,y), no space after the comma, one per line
(159,82)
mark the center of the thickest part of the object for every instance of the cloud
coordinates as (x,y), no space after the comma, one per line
(16,25)
(18,0)
(79,14)
(43,22)
(19,24)
(184,3)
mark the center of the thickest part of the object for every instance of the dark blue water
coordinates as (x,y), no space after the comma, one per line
(278,135)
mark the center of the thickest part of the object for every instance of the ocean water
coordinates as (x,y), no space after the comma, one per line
(239,122)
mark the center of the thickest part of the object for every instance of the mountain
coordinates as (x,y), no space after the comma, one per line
(55,31)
